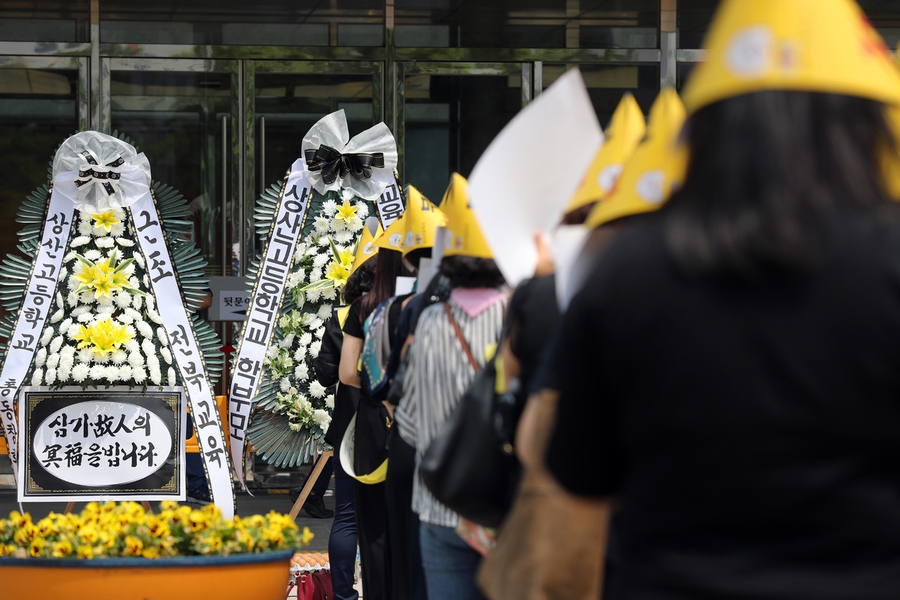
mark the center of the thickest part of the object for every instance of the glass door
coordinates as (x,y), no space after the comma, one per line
(43,100)
(180,113)
(450,112)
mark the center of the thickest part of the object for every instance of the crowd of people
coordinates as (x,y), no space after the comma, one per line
(714,414)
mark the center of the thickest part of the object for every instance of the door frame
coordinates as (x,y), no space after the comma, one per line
(60,63)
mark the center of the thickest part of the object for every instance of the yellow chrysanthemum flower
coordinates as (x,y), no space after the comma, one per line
(106,220)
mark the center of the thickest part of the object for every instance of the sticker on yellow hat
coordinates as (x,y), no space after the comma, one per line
(656,166)
(463,236)
(811,45)
(365,247)
(626,128)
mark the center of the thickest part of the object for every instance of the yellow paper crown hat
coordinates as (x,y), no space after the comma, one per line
(415,229)
(812,45)
(657,165)
(365,248)
(890,157)
(464,236)
(626,128)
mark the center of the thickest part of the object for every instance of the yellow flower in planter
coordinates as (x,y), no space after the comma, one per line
(61,548)
(84,551)
(36,547)
(133,546)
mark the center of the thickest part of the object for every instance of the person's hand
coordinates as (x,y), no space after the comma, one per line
(544,264)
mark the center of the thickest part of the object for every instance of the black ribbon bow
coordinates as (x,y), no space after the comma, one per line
(334,164)
(86,175)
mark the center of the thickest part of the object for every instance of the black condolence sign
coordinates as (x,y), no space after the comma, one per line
(107,444)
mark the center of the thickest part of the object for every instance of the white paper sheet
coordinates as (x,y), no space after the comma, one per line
(566,247)
(404,285)
(528,174)
(427,272)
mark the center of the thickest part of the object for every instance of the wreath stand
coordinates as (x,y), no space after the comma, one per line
(310,482)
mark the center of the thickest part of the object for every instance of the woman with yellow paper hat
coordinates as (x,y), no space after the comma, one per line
(449,347)
(728,372)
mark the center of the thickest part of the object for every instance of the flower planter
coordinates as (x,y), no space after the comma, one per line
(238,577)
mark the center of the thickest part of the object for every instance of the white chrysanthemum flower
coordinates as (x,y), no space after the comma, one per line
(85,317)
(57,316)
(313,295)
(287,341)
(321,260)
(322,417)
(52,360)
(323,242)
(103,360)
(104,309)
(154,316)
(301,273)
(296,426)
(129,269)
(50,376)
(123,299)
(285,384)
(324,312)
(56,344)
(300,353)
(144,328)
(67,352)
(85,228)
(148,348)
(301,372)
(321,225)
(93,255)
(69,257)
(137,302)
(85,356)
(117,229)
(347,195)
(166,354)
(156,376)
(314,321)
(80,373)
(300,251)
(271,352)
(329,294)
(170,375)
(314,348)
(119,356)
(63,374)
(41,357)
(111,373)
(329,207)
(152,363)
(79,310)
(362,210)
(133,345)
(161,335)
(45,339)
(73,331)
(125,372)
(105,242)
(135,283)
(97,372)
(320,332)
(315,275)
(355,224)
(79,241)
(64,326)
(343,237)
(136,359)
(98,232)
(127,319)
(305,339)
(72,299)
(139,375)
(293,280)
(139,259)
(59,299)
(329,402)
(87,297)
(37,377)
(124,242)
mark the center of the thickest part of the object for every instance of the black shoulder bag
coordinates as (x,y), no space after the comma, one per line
(466,466)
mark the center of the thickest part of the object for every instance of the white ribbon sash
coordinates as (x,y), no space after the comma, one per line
(38,303)
(185,350)
(267,296)
(390,204)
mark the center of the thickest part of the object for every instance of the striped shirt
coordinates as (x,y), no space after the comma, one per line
(437,376)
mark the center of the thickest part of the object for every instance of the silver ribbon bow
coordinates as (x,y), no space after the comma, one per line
(332,131)
(98,172)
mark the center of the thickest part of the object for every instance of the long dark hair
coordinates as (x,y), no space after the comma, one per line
(360,282)
(766,171)
(388,266)
(470,272)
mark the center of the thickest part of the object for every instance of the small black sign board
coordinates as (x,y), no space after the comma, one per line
(109,444)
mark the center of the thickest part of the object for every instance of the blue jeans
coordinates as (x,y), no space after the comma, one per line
(342,542)
(450,564)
